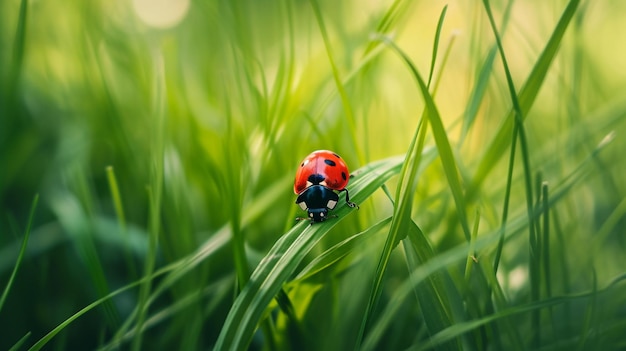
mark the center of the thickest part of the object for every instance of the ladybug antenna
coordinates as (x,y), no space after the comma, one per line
(350,203)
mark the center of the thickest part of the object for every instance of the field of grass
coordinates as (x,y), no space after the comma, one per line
(148,149)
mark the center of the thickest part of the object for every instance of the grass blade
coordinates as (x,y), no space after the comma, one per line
(459,253)
(155,192)
(285,256)
(431,294)
(471,254)
(176,270)
(347,107)
(20,342)
(20,257)
(433,58)
(119,211)
(464,327)
(339,251)
(401,222)
(19,46)
(526,98)
(441,140)
(480,88)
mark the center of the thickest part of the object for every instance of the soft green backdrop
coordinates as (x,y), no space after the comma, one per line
(164,137)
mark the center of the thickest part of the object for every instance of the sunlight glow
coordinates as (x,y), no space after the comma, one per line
(161,13)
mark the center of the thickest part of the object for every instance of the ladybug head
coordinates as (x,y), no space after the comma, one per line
(316,200)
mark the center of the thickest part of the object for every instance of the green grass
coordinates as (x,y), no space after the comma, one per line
(484,140)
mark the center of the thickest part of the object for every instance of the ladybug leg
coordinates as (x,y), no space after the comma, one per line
(350,203)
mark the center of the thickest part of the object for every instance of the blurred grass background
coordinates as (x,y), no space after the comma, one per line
(167,141)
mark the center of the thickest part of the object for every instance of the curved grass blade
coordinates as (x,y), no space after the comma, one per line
(420,274)
(391,16)
(119,211)
(44,340)
(459,329)
(441,140)
(155,190)
(20,257)
(175,271)
(526,97)
(18,49)
(283,259)
(347,107)
(459,253)
(519,130)
(183,266)
(20,342)
(404,195)
(339,251)
(480,88)
(431,294)
(433,59)
(208,248)
(218,290)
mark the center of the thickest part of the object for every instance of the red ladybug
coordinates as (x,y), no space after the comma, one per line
(321,174)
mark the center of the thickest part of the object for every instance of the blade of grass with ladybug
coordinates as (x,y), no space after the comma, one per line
(283,259)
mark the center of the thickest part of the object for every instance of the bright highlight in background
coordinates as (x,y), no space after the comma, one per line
(161,13)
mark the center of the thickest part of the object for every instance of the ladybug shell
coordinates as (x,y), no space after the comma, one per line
(322,167)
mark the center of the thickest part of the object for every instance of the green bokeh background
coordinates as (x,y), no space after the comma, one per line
(203,116)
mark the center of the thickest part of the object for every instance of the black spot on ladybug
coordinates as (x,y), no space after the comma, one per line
(316,178)
(343,175)
(336,155)
(330,162)
(302,164)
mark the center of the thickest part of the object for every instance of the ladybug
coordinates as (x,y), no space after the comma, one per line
(321,174)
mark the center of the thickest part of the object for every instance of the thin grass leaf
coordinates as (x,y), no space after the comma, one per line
(119,211)
(459,253)
(441,140)
(175,271)
(480,88)
(433,58)
(92,257)
(391,16)
(518,130)
(20,342)
(464,327)
(526,98)
(218,290)
(609,225)
(477,94)
(339,251)
(345,101)
(154,191)
(431,294)
(546,259)
(508,326)
(20,257)
(181,268)
(403,199)
(401,215)
(437,263)
(19,47)
(402,223)
(471,254)
(285,256)
(590,317)
(505,206)
(46,338)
